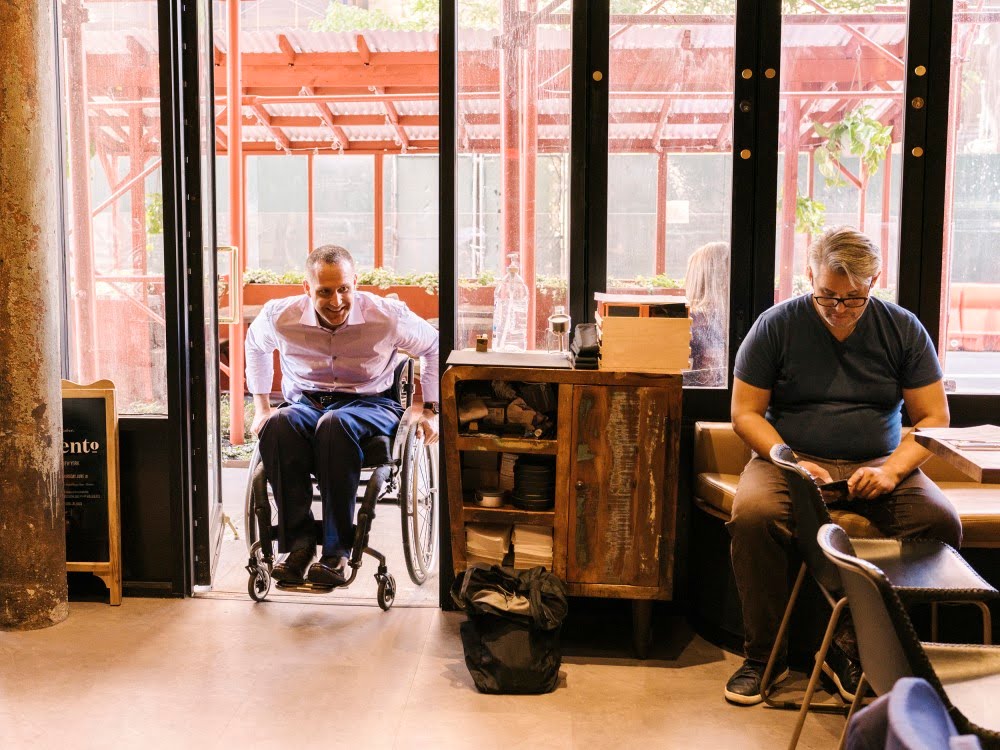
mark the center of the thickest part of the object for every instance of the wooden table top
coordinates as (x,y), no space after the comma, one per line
(981,465)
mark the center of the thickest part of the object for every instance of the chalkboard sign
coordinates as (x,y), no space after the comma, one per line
(90,481)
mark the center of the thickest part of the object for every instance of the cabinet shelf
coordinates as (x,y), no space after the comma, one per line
(506,445)
(507,514)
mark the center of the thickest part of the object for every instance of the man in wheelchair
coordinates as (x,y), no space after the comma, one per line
(338,349)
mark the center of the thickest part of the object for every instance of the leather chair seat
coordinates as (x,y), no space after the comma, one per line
(720,455)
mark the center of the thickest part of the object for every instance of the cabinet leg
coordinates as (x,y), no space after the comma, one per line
(642,615)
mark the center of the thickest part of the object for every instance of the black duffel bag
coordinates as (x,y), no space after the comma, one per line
(511,638)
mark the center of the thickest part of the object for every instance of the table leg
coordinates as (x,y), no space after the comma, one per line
(642,615)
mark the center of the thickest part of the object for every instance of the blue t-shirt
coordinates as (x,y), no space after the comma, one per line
(837,399)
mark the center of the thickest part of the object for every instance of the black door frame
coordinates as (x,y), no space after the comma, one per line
(183,271)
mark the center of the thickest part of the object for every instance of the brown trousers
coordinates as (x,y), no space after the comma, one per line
(762,528)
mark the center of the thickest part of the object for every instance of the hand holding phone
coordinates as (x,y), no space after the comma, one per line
(835,492)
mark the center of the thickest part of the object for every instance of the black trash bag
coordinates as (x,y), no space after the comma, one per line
(511,639)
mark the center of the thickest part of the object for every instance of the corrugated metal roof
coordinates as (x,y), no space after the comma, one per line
(803,40)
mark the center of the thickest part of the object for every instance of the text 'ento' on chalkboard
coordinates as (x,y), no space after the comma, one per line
(90,480)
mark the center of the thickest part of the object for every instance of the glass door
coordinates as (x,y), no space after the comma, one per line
(670,140)
(513,102)
(204,294)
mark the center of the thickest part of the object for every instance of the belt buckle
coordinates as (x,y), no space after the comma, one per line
(320,398)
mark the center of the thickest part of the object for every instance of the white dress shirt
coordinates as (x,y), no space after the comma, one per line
(359,357)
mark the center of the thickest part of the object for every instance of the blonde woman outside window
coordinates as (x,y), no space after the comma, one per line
(706,283)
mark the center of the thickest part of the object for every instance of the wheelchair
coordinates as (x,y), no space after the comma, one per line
(401,464)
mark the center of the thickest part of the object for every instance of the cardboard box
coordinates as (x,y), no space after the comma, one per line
(645,344)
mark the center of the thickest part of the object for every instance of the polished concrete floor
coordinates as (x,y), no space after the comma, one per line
(216,673)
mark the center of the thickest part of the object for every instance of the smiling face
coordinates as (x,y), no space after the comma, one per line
(330,287)
(829,283)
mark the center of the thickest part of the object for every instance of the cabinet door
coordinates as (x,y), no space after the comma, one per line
(617,475)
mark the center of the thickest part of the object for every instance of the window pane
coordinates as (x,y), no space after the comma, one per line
(670,131)
(971,300)
(410,230)
(841,121)
(345,205)
(512,178)
(277,217)
(114,222)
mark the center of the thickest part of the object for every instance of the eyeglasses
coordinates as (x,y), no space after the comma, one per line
(848,302)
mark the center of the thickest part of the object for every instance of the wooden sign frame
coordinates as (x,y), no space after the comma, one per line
(110,570)
(233,280)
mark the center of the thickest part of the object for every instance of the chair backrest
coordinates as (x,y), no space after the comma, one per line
(402,381)
(809,513)
(887,643)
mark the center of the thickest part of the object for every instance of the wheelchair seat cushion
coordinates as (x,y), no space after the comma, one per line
(376,451)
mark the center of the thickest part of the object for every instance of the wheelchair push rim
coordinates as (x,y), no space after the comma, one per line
(418,505)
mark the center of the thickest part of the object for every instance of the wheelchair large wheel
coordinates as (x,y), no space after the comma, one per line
(259,510)
(418,505)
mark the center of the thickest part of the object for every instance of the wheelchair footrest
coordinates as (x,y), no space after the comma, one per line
(307,587)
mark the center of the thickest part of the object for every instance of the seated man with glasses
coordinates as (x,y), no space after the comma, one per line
(827,373)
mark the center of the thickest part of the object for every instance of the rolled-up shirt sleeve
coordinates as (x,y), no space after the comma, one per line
(261,342)
(419,339)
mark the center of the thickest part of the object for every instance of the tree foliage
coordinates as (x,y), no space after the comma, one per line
(416,15)
(810,215)
(858,134)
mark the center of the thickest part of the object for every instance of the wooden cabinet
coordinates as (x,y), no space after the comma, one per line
(615,447)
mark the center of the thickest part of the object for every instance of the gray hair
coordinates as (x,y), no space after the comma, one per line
(847,251)
(327,255)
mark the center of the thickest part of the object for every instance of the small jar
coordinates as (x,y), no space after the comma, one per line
(557,338)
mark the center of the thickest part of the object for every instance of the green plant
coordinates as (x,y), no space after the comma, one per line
(259,276)
(660,281)
(485,278)
(809,215)
(859,134)
(238,452)
(154,213)
(383,278)
(225,419)
(553,285)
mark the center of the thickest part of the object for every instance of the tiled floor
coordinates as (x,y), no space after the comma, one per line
(202,673)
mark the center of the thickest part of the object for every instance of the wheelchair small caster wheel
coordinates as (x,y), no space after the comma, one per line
(259,584)
(386,592)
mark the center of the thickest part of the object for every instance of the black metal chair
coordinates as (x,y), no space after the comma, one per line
(966,677)
(920,570)
(402,462)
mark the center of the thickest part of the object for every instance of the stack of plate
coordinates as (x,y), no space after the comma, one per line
(534,483)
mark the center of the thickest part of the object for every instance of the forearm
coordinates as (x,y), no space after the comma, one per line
(756,432)
(927,407)
(909,454)
(262,403)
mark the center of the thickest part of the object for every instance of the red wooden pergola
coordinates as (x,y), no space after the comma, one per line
(376,92)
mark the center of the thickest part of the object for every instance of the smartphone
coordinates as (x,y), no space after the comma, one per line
(835,492)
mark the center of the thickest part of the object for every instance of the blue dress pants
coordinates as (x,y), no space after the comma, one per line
(302,439)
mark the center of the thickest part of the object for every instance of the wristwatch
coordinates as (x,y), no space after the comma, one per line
(432,406)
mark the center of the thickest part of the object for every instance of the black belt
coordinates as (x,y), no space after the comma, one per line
(323,399)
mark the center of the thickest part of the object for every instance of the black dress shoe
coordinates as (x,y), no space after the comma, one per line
(293,568)
(329,570)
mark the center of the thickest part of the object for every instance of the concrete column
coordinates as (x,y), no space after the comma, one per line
(32,528)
